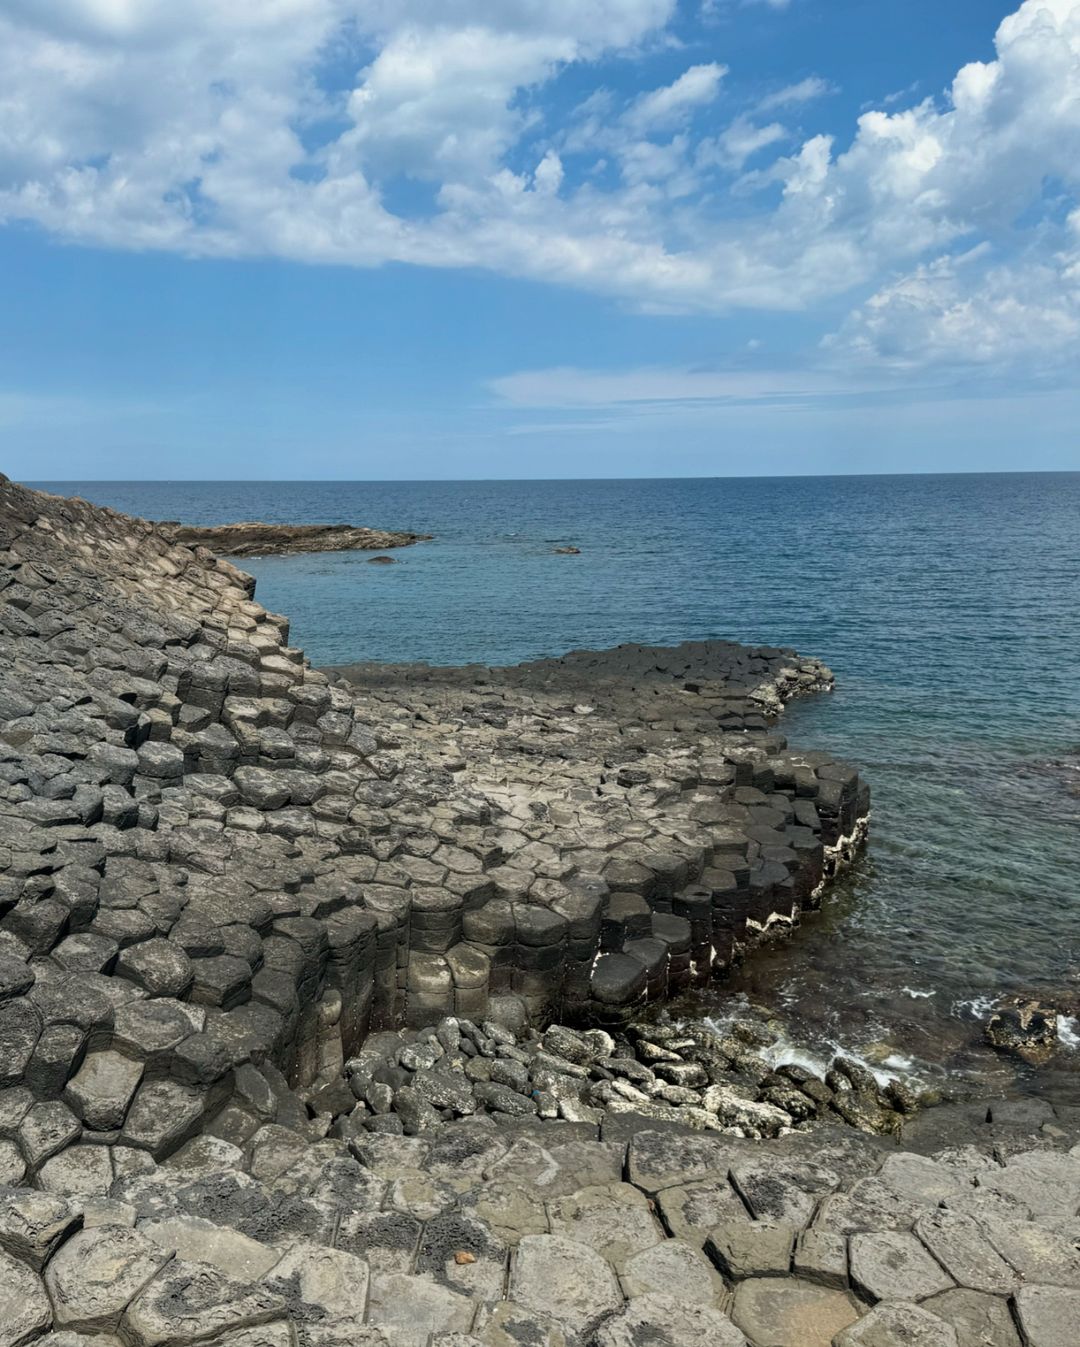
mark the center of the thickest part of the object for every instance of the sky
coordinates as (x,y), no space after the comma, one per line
(371,239)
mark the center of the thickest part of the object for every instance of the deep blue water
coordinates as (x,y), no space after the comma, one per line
(948,607)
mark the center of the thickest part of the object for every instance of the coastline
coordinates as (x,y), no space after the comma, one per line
(223,872)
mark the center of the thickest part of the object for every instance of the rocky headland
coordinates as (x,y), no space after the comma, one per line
(262,540)
(331,1007)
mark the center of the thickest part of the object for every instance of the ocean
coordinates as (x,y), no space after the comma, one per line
(948,608)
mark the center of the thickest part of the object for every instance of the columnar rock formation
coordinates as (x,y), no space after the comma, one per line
(213,853)
(221,870)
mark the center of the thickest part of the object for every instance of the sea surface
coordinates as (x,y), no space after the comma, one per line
(948,608)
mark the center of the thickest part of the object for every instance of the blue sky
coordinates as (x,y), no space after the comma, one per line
(537,238)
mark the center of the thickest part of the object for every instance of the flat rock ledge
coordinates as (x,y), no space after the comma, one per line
(329,1006)
(260,540)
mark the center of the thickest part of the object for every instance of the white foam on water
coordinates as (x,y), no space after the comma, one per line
(916,994)
(785,1052)
(1068,1030)
(976,1008)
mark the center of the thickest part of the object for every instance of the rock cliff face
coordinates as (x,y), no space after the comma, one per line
(258,540)
(220,869)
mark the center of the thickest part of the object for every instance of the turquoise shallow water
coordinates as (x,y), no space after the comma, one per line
(948,607)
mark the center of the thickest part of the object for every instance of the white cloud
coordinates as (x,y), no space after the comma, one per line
(740,142)
(791,95)
(571,388)
(973,313)
(278,127)
(661,108)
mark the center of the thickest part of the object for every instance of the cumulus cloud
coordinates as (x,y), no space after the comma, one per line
(278,127)
(973,312)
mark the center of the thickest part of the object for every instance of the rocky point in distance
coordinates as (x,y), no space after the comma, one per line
(260,539)
(286,966)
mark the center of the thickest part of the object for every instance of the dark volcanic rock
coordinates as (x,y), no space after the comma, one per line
(258,539)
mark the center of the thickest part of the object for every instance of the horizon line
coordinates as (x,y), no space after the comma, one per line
(416,481)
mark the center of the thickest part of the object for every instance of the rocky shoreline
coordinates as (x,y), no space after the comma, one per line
(262,540)
(328,1005)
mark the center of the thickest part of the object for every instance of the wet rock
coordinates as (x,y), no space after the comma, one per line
(1026,1028)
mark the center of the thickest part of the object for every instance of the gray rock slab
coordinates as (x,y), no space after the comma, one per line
(612,1218)
(790,1312)
(1048,1182)
(186,1302)
(96,1274)
(200,1241)
(418,1194)
(672,1268)
(321,1286)
(898,1324)
(871,1204)
(278,1333)
(752,1249)
(12,1164)
(1037,1254)
(782,1190)
(506,1325)
(690,1211)
(894,1265)
(1049,1316)
(658,1159)
(159,966)
(960,1245)
(163,1114)
(821,1256)
(512,1210)
(25,1312)
(564,1279)
(46,1130)
(921,1178)
(414,1308)
(556,1167)
(102,1089)
(660,1320)
(980,1320)
(86,1170)
(32,1223)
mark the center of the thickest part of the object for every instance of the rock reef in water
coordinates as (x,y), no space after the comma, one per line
(228,880)
(257,539)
